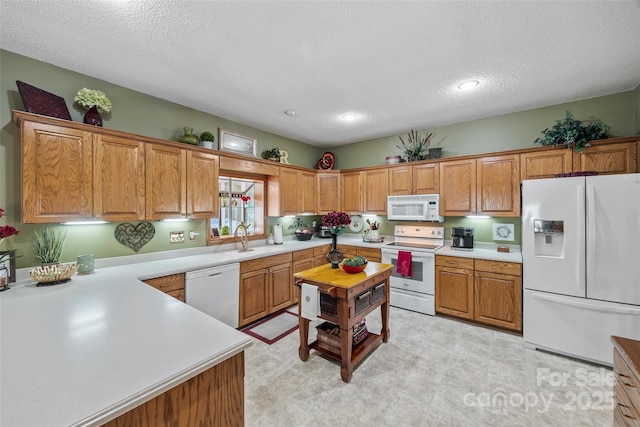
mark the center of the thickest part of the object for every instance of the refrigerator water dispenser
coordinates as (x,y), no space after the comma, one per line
(548,238)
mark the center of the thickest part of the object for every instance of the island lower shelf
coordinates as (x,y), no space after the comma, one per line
(358,352)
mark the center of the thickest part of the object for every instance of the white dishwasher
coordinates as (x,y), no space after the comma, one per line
(216,292)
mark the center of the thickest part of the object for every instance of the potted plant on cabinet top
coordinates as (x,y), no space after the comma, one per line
(416,147)
(95,102)
(573,133)
(272,154)
(207,139)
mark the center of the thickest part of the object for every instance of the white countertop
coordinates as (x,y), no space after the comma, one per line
(84,352)
(488,251)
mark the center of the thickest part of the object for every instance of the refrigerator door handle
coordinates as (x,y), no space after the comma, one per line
(591,236)
(580,237)
(587,305)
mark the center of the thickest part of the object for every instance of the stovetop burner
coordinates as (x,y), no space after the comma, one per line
(430,246)
(427,239)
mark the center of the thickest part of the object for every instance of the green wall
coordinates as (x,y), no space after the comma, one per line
(145,115)
(132,112)
(507,132)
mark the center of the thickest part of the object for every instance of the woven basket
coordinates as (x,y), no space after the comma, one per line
(53,273)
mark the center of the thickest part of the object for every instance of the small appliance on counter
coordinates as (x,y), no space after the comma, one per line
(462,238)
(324,231)
(277,234)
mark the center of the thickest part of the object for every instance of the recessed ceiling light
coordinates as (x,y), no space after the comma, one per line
(468,85)
(350,116)
(290,113)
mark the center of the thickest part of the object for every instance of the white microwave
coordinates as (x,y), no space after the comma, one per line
(419,207)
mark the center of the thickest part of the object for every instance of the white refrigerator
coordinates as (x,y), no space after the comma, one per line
(581,264)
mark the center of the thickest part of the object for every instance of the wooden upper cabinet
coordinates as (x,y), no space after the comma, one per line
(352,192)
(292,192)
(56,173)
(328,184)
(545,163)
(166,184)
(309,190)
(375,188)
(400,180)
(607,158)
(203,200)
(498,181)
(458,187)
(426,178)
(414,179)
(118,178)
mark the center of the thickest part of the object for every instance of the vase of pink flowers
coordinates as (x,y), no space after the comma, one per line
(337,221)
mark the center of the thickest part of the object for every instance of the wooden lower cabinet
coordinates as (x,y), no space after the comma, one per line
(454,286)
(171,285)
(266,286)
(213,398)
(371,254)
(483,291)
(626,370)
(498,294)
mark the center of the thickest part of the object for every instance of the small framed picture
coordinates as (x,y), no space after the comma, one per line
(215,232)
(237,142)
(504,232)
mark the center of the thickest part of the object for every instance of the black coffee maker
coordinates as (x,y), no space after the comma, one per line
(462,238)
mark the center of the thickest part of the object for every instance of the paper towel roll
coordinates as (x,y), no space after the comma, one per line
(310,301)
(277,234)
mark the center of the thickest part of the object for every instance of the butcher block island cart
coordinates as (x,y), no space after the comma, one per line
(345,300)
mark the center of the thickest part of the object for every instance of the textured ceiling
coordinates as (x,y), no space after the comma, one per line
(395,64)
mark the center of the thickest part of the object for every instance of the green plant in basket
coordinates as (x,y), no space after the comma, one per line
(47,245)
(207,136)
(356,261)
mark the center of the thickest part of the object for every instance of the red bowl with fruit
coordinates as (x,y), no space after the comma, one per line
(347,264)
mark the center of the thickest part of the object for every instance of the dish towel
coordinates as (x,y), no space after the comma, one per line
(310,301)
(404,263)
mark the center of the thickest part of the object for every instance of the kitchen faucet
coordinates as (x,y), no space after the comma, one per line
(244,238)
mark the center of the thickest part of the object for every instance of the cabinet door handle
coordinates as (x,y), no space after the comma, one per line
(365,295)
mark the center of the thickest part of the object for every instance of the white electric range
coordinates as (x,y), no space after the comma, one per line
(417,291)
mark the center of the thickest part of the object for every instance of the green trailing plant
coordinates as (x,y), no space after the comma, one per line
(572,132)
(416,146)
(48,244)
(207,136)
(271,154)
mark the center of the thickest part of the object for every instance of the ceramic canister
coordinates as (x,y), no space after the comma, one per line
(85,264)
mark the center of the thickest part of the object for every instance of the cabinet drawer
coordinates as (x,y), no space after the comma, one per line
(305,253)
(347,250)
(321,250)
(626,379)
(363,301)
(167,283)
(370,253)
(264,262)
(511,268)
(455,262)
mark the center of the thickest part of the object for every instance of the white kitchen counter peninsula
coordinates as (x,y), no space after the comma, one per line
(87,351)
(488,251)
(84,352)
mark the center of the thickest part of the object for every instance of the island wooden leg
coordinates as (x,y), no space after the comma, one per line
(385,321)
(303,350)
(346,339)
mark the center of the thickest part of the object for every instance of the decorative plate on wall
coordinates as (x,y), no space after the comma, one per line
(356,223)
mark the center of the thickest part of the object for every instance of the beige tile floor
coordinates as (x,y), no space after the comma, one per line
(434,371)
